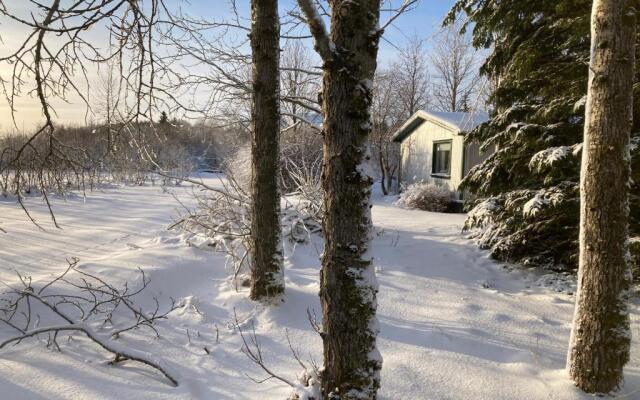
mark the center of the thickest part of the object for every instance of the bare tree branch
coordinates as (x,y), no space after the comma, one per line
(90,301)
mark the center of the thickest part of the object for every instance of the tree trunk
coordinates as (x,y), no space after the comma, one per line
(267,277)
(390,174)
(600,338)
(348,283)
(383,172)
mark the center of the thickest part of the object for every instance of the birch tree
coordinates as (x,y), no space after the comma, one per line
(267,277)
(601,336)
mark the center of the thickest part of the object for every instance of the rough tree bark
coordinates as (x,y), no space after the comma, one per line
(348,286)
(600,338)
(267,278)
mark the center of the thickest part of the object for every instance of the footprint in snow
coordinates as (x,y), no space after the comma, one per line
(502,318)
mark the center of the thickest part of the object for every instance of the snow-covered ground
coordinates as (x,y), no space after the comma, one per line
(454,324)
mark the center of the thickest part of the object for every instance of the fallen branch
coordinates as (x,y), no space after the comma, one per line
(92,300)
(253,351)
(120,354)
(307,385)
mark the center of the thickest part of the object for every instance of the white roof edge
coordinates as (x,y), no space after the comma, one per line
(430,115)
(466,123)
(404,126)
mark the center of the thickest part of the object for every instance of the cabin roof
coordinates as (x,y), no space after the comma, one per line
(457,122)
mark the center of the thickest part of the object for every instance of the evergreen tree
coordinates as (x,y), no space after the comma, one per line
(164,119)
(527,193)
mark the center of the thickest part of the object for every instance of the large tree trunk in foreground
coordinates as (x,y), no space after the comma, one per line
(267,279)
(600,338)
(348,285)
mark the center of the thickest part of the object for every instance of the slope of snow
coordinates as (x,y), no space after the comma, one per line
(454,324)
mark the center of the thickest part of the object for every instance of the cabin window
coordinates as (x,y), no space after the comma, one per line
(442,159)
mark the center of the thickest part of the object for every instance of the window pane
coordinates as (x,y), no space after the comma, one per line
(442,158)
(446,157)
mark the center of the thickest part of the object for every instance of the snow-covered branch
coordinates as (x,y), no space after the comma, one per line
(120,353)
(76,306)
(322,42)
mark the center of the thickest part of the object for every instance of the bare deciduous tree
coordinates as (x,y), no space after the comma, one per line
(399,91)
(386,116)
(411,78)
(601,335)
(456,63)
(267,275)
(300,83)
(55,59)
(348,285)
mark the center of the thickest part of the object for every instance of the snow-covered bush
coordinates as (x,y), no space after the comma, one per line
(301,180)
(176,163)
(301,169)
(222,218)
(221,221)
(509,226)
(308,386)
(300,151)
(427,197)
(238,166)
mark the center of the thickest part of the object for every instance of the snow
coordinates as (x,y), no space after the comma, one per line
(543,198)
(549,157)
(453,323)
(464,121)
(314,119)
(482,214)
(532,207)
(582,102)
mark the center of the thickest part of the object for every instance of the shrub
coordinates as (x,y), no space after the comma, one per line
(238,168)
(427,197)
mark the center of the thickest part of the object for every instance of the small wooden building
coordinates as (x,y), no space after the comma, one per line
(433,148)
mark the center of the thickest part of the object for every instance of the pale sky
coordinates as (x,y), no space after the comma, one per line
(423,21)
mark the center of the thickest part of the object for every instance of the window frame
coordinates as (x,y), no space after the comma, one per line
(434,159)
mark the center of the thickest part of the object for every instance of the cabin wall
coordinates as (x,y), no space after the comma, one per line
(474,156)
(416,155)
